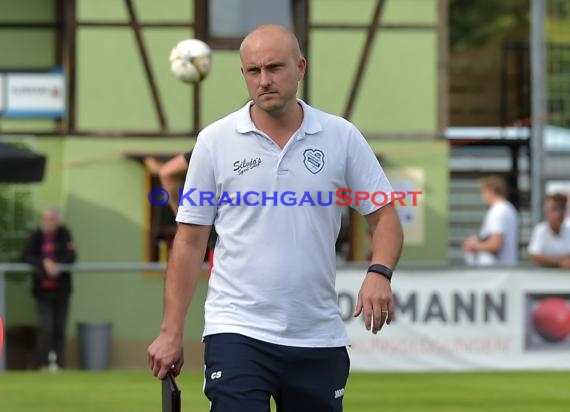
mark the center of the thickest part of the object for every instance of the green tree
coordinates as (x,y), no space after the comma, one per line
(473,23)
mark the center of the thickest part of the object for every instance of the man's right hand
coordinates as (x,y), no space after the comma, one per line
(469,244)
(166,354)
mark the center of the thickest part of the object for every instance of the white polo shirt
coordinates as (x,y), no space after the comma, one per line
(274,267)
(544,241)
(502,218)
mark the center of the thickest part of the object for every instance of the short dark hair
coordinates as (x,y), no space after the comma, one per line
(559,199)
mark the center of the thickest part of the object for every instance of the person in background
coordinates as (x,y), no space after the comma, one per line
(170,174)
(46,248)
(550,240)
(498,240)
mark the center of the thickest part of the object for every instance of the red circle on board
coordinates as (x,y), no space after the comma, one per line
(551,319)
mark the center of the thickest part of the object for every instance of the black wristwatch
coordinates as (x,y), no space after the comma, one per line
(381,270)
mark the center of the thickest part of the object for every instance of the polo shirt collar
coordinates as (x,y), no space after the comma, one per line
(310,125)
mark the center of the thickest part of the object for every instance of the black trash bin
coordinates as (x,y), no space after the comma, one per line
(94,345)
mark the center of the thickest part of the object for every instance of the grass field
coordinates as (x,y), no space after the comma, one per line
(140,392)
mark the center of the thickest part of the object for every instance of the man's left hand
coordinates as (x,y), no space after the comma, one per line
(375,300)
(565,262)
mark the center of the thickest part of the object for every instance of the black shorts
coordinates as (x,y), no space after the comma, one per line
(242,373)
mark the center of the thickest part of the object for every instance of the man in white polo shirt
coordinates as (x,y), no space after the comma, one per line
(550,240)
(272,322)
(498,240)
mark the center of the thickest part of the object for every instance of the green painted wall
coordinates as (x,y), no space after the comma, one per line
(103,197)
(20,307)
(360,11)
(398,91)
(102,192)
(431,157)
(41,11)
(27,49)
(147,10)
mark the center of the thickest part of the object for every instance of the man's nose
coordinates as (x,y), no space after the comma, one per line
(265,78)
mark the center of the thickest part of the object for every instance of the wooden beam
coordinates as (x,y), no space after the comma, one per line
(103,134)
(201,19)
(146,62)
(197,112)
(192,133)
(147,25)
(301,20)
(200,32)
(443,67)
(70,36)
(59,12)
(134,134)
(364,57)
(29,25)
(362,26)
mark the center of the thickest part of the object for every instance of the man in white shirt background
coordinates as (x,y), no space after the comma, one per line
(550,240)
(498,241)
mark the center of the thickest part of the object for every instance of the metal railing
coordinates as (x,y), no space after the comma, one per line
(25,269)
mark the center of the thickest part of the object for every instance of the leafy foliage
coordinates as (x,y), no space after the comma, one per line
(473,23)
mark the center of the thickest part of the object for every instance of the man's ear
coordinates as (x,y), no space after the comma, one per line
(302,68)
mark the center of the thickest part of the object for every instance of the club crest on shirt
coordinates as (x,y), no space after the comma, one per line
(242,166)
(314,160)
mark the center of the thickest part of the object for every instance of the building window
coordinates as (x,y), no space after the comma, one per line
(223,24)
(237,18)
(162,229)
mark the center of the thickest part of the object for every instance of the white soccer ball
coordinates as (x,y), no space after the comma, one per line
(191,60)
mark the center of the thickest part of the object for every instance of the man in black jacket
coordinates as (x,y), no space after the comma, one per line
(46,248)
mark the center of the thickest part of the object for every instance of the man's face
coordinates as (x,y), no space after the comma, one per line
(487,195)
(50,221)
(554,214)
(271,71)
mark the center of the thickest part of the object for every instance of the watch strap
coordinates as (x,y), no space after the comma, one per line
(381,270)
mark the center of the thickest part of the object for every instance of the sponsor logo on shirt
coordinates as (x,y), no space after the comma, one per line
(242,166)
